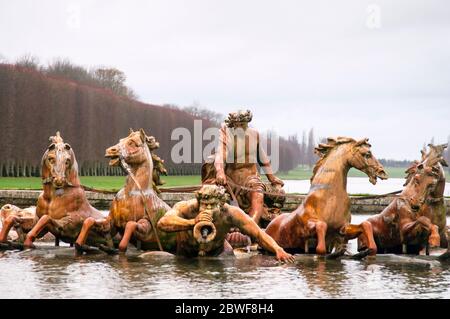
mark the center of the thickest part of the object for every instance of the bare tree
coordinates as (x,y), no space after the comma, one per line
(131,94)
(304,149)
(109,78)
(113,79)
(200,112)
(62,67)
(35,106)
(28,61)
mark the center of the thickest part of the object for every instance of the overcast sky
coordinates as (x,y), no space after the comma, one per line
(377,69)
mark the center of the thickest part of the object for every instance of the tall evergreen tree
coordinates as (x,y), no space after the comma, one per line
(304,150)
(311,146)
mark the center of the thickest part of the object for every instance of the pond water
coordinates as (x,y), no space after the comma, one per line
(50,272)
(356,185)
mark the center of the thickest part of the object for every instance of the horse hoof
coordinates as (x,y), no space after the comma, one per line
(445,256)
(80,249)
(5,245)
(108,250)
(30,246)
(18,246)
(336,255)
(361,255)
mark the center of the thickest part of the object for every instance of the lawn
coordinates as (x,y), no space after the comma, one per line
(116,182)
(98,182)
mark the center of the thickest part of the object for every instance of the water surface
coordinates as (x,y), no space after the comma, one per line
(52,272)
(356,185)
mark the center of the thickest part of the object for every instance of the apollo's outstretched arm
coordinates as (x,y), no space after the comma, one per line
(250,228)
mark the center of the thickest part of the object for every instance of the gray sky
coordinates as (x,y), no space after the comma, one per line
(377,69)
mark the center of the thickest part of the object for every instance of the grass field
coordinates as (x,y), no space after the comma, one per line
(99,182)
(116,182)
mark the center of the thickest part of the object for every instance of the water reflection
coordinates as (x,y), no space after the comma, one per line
(57,273)
(324,279)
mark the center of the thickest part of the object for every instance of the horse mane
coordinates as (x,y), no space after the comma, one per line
(56,139)
(324,149)
(431,158)
(410,172)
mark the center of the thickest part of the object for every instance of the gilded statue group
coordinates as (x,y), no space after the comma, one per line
(234,203)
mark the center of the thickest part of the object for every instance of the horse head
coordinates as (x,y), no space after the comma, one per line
(363,159)
(59,166)
(357,154)
(134,150)
(434,157)
(423,182)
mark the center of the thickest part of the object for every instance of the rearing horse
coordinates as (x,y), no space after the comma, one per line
(62,207)
(324,217)
(400,227)
(136,208)
(434,207)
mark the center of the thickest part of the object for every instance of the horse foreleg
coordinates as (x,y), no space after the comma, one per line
(7,225)
(36,230)
(140,229)
(130,228)
(410,230)
(80,243)
(434,240)
(365,229)
(320,228)
(406,232)
(84,232)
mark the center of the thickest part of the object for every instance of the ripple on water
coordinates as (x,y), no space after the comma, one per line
(101,276)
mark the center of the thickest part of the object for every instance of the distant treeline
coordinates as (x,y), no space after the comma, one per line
(446,152)
(406,163)
(308,158)
(34,105)
(100,76)
(395,163)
